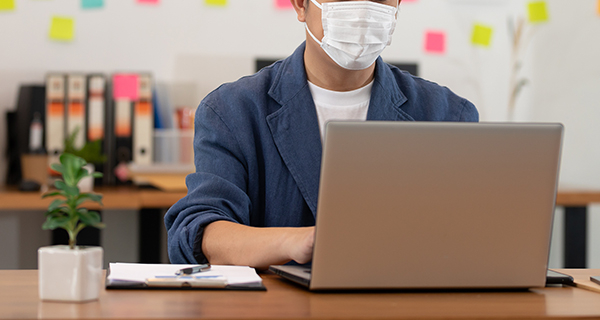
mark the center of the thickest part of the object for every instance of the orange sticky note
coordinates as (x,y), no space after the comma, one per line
(599,7)
(538,12)
(283,4)
(7,5)
(62,29)
(482,35)
(435,42)
(216,3)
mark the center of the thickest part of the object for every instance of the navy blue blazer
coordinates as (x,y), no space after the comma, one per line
(258,148)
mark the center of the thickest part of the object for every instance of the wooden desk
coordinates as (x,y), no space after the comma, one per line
(282,300)
(150,204)
(136,198)
(127,198)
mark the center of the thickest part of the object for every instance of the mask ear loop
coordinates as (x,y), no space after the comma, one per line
(312,35)
(306,25)
(320,6)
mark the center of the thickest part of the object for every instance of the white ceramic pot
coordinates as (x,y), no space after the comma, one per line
(87,184)
(70,275)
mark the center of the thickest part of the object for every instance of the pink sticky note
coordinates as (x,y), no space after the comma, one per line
(148,1)
(283,4)
(125,86)
(435,42)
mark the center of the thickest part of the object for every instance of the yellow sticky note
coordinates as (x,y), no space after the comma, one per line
(538,12)
(62,28)
(7,5)
(482,35)
(599,7)
(219,3)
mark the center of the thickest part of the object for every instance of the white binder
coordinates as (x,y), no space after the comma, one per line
(96,108)
(76,113)
(143,122)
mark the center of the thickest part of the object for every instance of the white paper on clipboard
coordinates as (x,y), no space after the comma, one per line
(140,272)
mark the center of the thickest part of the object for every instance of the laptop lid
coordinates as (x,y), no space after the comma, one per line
(435,205)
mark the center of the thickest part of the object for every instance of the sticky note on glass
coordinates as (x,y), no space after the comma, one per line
(7,5)
(482,35)
(285,4)
(148,1)
(538,12)
(435,42)
(92,4)
(216,3)
(62,29)
(125,86)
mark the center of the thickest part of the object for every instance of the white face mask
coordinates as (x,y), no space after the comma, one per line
(355,32)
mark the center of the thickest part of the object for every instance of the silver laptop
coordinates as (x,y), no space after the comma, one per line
(433,206)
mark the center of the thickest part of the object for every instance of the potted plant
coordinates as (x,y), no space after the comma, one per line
(70,273)
(91,152)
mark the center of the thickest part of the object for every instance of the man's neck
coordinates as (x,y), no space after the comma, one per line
(322,71)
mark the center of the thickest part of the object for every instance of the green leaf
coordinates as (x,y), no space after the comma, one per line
(57,167)
(70,141)
(52,194)
(89,218)
(55,222)
(72,164)
(68,162)
(97,175)
(89,196)
(94,196)
(100,225)
(81,173)
(56,204)
(69,190)
(58,212)
(91,151)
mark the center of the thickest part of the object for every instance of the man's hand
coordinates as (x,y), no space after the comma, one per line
(230,243)
(300,244)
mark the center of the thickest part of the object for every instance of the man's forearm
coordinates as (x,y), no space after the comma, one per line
(229,243)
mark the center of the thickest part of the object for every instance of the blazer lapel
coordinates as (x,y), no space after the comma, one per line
(295,127)
(386,97)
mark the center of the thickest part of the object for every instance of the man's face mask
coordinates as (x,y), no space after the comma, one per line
(355,32)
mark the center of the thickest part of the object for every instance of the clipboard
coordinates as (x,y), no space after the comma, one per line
(132,285)
(554,277)
(136,276)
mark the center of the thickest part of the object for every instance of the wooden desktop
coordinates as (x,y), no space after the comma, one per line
(283,300)
(124,198)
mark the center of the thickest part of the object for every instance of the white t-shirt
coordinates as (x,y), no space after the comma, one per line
(337,105)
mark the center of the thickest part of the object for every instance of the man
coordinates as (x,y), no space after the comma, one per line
(253,198)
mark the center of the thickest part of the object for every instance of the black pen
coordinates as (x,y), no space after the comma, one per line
(191,270)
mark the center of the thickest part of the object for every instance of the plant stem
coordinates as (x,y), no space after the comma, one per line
(72,239)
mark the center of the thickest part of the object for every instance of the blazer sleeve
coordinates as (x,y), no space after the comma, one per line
(469,112)
(216,191)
